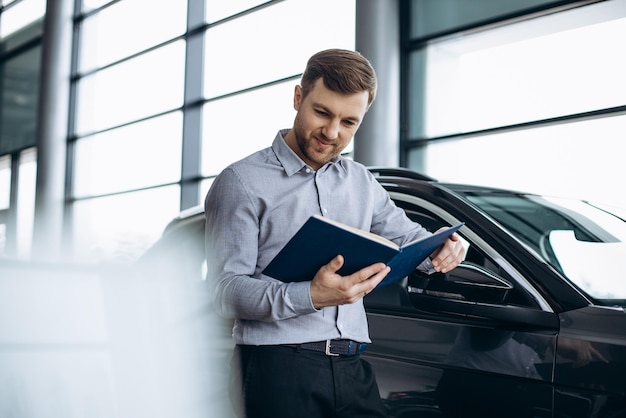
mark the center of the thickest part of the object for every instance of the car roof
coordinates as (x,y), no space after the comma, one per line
(190,215)
(387,176)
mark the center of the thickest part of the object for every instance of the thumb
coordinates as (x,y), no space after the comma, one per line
(336,263)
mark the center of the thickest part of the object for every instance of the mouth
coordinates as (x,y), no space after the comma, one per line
(322,144)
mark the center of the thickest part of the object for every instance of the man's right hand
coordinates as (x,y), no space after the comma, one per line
(331,289)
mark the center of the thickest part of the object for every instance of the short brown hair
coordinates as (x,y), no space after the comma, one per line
(342,71)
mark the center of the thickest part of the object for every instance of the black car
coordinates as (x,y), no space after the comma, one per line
(531,324)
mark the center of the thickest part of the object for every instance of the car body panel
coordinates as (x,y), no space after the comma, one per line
(492,338)
(470,358)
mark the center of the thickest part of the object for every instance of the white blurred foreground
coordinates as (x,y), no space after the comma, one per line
(108,342)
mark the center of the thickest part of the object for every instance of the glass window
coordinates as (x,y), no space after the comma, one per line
(570,234)
(216,10)
(569,160)
(205,185)
(239,125)
(3,235)
(144,86)
(21,15)
(235,60)
(30,34)
(94,4)
(5,182)
(20,97)
(432,16)
(26,201)
(536,69)
(128,27)
(144,154)
(119,228)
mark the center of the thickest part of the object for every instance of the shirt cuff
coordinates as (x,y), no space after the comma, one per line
(427,266)
(300,297)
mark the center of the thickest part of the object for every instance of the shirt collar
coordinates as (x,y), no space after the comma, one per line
(290,160)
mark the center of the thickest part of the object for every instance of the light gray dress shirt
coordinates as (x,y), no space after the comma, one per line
(254,207)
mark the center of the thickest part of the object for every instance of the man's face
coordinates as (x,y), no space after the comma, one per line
(325,123)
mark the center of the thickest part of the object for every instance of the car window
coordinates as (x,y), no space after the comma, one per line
(571,235)
(395,296)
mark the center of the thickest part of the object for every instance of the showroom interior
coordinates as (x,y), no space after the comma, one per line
(116,115)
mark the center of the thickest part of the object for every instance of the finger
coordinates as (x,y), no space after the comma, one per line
(450,255)
(453,237)
(442,259)
(379,276)
(366,279)
(369,284)
(369,272)
(335,264)
(597,355)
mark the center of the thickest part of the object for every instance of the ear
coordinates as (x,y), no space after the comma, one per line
(297,97)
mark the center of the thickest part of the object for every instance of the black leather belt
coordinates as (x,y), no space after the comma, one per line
(333,347)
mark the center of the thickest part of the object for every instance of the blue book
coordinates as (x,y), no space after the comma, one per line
(321,239)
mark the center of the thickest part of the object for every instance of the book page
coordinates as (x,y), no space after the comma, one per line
(365,234)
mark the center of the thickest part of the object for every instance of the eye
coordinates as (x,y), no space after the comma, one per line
(321,112)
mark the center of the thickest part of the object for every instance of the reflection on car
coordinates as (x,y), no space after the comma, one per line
(531,324)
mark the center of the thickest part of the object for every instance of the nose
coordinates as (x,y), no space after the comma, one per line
(331,129)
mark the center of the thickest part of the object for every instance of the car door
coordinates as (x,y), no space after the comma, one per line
(473,342)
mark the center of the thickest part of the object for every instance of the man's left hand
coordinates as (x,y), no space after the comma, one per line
(449,255)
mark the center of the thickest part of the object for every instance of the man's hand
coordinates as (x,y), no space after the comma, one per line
(449,255)
(582,352)
(331,289)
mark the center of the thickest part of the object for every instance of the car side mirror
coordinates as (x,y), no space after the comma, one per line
(468,283)
(471,291)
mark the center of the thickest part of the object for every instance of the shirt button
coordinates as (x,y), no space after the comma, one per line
(308,170)
(324,210)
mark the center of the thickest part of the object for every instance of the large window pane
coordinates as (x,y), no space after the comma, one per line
(128,27)
(561,64)
(205,185)
(21,15)
(26,201)
(146,85)
(582,160)
(238,125)
(432,16)
(216,10)
(5,181)
(94,4)
(5,200)
(255,49)
(20,93)
(144,154)
(121,227)
(3,235)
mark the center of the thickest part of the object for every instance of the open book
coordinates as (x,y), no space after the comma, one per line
(321,239)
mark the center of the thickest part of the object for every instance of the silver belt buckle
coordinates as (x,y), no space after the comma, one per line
(327,351)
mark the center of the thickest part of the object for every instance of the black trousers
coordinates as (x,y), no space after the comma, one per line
(285,382)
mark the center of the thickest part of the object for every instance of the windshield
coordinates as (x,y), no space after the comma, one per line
(584,242)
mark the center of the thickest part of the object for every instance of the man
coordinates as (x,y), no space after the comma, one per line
(288,335)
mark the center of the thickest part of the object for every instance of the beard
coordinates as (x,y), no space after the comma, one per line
(309,149)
